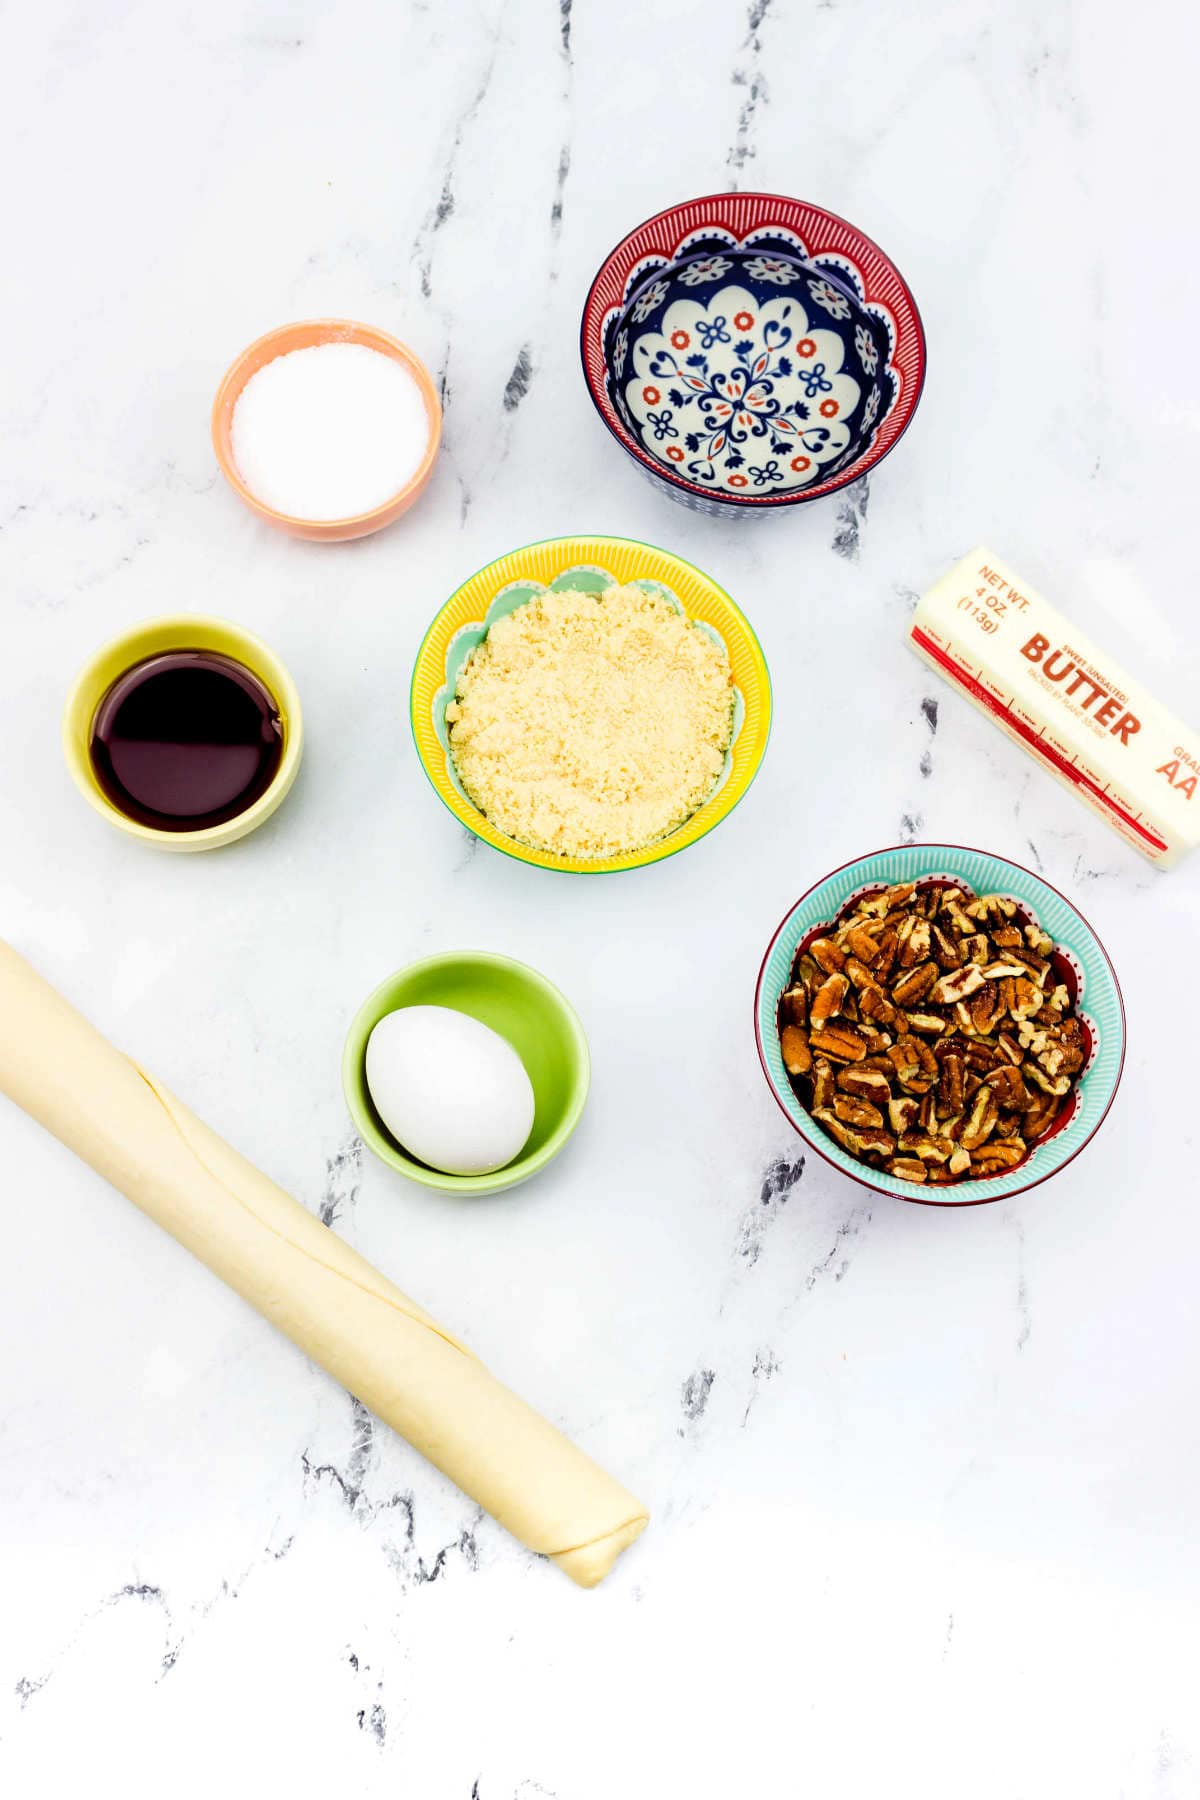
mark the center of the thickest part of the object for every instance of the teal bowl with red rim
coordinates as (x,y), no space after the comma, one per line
(1079,961)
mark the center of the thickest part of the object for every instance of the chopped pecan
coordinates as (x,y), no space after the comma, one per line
(986,1009)
(807,976)
(1010,1091)
(901,1114)
(981,1121)
(914,1063)
(856,1112)
(1038,967)
(1000,1154)
(839,1042)
(872,906)
(962,924)
(1040,1116)
(912,941)
(859,1140)
(889,943)
(826,955)
(1070,1037)
(912,987)
(862,943)
(939,1012)
(827,1000)
(793,1007)
(928,1024)
(919,1143)
(909,1168)
(958,984)
(874,1004)
(1049,1084)
(945,949)
(868,1084)
(992,906)
(997,971)
(950,1083)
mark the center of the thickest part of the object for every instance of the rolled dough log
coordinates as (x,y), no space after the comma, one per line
(308,1282)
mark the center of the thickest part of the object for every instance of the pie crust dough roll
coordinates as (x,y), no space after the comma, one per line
(308,1282)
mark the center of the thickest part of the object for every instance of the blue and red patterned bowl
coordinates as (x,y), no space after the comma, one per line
(751,351)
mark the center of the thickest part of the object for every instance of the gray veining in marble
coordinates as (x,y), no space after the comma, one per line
(924,1486)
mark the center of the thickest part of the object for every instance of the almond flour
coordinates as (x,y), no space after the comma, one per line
(591,725)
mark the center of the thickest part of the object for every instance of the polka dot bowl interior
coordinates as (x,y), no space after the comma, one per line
(591,564)
(1079,960)
(750,351)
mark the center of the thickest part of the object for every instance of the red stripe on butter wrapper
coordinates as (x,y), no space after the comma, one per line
(1014,721)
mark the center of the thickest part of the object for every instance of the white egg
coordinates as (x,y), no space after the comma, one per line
(452,1092)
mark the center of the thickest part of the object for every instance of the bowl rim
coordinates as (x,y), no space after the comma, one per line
(763,502)
(240,645)
(662,848)
(244,365)
(380,1141)
(917,1197)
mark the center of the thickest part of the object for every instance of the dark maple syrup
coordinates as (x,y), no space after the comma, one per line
(186,739)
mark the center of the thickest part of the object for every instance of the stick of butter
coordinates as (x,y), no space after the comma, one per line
(1066,702)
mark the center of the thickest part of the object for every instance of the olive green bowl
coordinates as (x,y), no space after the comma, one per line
(523,1007)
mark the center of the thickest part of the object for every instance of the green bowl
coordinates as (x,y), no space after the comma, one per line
(523,1007)
(1085,967)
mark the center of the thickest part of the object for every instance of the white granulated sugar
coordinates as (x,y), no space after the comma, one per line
(330,431)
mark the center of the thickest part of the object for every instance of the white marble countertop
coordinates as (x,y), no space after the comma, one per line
(924,1485)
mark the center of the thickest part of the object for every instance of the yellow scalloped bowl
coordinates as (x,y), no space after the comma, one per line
(509,581)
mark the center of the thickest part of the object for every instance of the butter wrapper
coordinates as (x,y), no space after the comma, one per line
(1066,702)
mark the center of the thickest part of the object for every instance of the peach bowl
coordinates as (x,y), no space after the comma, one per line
(303,336)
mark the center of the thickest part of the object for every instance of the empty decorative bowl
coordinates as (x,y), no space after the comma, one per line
(751,351)
(514,1000)
(591,564)
(1078,960)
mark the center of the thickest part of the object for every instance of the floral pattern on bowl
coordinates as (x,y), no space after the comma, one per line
(746,390)
(746,429)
